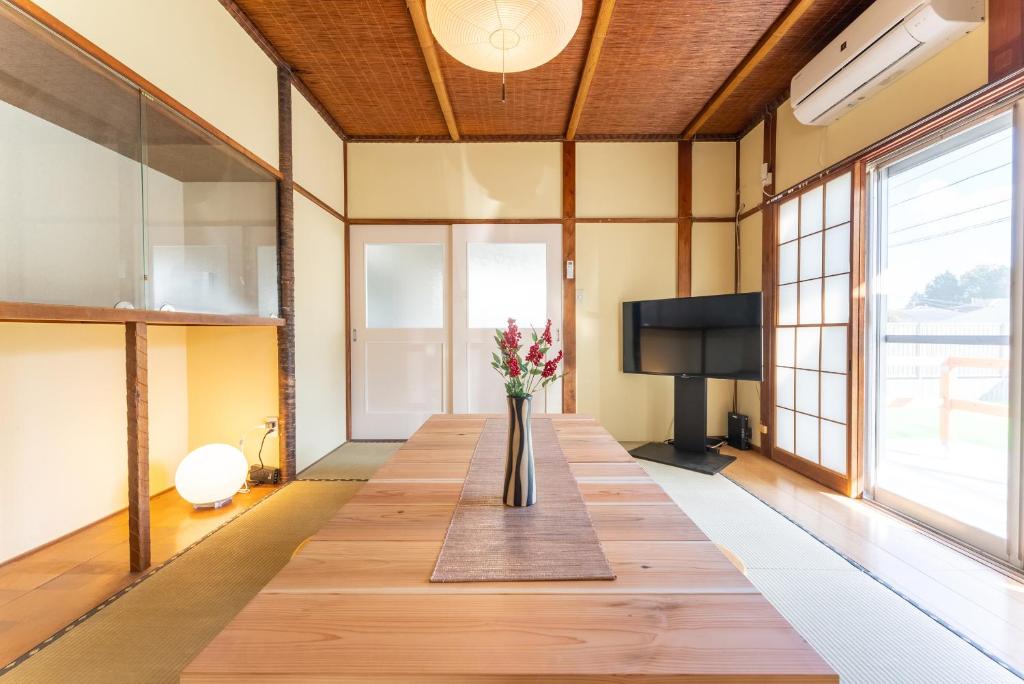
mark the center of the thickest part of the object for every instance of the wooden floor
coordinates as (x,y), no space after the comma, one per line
(44,591)
(985,605)
(356,604)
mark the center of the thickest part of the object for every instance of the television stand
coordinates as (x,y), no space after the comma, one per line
(689,448)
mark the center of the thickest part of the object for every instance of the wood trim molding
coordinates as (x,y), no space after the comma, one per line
(604,19)
(137,392)
(713,219)
(568,285)
(64,313)
(317,201)
(857,334)
(286,279)
(475,221)
(684,226)
(88,47)
(1005,37)
(750,212)
(762,49)
(318,106)
(419,19)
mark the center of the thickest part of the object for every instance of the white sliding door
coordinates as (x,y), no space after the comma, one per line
(501,272)
(812,330)
(399,336)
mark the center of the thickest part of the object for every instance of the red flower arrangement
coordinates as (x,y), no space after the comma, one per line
(527,374)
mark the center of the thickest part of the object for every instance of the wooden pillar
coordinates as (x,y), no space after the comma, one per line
(684,237)
(138,445)
(1005,37)
(569,284)
(768,252)
(286,278)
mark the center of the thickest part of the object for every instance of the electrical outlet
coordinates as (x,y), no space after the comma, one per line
(270,422)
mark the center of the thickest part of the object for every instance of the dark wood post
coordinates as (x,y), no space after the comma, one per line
(137,391)
(1005,37)
(569,285)
(684,235)
(768,251)
(286,278)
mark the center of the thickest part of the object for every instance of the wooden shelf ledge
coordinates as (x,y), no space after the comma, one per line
(60,313)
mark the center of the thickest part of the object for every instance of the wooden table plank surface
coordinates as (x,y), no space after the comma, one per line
(355,604)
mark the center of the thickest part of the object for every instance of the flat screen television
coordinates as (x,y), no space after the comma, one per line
(694,337)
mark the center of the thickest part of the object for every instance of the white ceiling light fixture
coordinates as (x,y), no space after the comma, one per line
(504,36)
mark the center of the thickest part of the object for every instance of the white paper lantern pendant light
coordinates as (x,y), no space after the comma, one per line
(504,36)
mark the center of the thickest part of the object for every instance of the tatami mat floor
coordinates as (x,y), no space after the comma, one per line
(868,633)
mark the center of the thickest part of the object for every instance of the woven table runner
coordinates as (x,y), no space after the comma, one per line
(552,540)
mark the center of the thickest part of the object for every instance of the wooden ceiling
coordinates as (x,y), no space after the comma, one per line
(658,71)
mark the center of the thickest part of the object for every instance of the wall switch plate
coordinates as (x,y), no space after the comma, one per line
(764,429)
(570,269)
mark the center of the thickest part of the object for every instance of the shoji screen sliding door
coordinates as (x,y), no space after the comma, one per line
(812,341)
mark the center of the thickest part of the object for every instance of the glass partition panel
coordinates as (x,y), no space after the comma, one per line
(70,173)
(211,218)
(109,197)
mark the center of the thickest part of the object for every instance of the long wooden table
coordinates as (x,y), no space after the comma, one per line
(355,604)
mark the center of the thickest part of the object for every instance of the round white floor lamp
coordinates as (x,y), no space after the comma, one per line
(210,475)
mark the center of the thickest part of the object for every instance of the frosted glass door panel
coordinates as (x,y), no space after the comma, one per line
(400,332)
(405,285)
(506,280)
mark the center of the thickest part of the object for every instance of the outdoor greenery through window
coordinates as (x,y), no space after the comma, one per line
(108,197)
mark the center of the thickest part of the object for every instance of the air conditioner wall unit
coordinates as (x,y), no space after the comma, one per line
(888,39)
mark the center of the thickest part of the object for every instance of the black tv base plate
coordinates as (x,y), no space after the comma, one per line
(709,462)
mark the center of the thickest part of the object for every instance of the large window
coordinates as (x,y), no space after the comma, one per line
(945,443)
(812,317)
(108,197)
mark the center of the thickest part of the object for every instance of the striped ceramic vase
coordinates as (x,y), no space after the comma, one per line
(520,475)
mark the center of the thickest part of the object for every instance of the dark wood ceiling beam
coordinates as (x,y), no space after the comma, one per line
(775,33)
(426,39)
(604,18)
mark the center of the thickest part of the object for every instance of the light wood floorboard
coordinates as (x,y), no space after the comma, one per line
(47,589)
